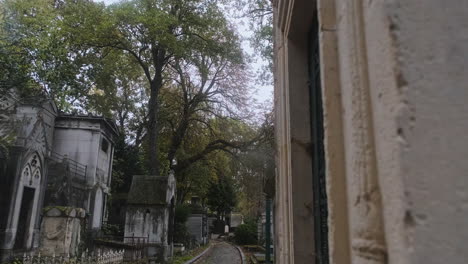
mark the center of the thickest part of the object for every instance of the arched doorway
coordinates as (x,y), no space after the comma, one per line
(27,201)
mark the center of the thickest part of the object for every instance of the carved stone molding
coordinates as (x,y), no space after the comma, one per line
(367,234)
(32,171)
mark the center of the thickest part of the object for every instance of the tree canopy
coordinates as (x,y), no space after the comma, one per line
(172,74)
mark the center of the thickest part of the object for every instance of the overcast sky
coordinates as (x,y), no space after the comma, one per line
(262,93)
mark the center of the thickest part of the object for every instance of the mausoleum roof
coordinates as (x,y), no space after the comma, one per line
(108,123)
(148,190)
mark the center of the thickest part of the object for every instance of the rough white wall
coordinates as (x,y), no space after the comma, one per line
(432,54)
(149,222)
(412,56)
(103,162)
(402,74)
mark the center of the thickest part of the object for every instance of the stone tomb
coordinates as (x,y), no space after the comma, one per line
(150,214)
(61,231)
(197,226)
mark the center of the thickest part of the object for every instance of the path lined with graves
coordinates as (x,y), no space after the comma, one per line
(221,253)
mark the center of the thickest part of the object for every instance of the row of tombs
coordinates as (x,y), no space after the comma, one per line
(55,179)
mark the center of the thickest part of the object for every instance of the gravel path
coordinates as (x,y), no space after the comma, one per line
(221,253)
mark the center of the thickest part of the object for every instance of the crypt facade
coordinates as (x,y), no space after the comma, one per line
(53,159)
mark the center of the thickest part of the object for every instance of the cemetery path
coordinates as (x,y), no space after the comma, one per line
(221,253)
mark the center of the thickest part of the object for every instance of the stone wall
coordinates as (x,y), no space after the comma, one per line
(61,230)
(393,79)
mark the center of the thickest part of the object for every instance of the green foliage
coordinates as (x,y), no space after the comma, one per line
(186,256)
(127,162)
(260,16)
(33,28)
(246,234)
(181,57)
(182,212)
(221,196)
(256,172)
(112,230)
(181,234)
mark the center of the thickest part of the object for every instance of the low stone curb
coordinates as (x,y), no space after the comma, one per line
(243,261)
(199,256)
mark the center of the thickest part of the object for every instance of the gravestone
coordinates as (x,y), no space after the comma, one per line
(149,215)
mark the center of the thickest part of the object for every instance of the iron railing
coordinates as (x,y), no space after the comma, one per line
(76,169)
(100,257)
(135,247)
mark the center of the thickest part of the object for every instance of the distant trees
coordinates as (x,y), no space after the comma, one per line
(156,34)
(259,14)
(221,196)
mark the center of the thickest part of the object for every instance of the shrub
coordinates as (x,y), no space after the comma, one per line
(182,213)
(181,234)
(112,230)
(246,234)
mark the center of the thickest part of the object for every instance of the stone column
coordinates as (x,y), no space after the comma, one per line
(364,197)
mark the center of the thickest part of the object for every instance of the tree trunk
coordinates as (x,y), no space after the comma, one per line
(153,160)
(153,128)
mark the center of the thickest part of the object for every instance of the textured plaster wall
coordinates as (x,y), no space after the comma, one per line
(147,222)
(432,124)
(103,162)
(81,145)
(394,83)
(402,71)
(61,231)
(81,141)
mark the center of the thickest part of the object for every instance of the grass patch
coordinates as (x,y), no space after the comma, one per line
(189,255)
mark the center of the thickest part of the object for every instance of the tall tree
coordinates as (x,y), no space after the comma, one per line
(222,196)
(68,39)
(153,33)
(259,14)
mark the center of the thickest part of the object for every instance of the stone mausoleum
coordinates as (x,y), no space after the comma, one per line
(150,214)
(55,160)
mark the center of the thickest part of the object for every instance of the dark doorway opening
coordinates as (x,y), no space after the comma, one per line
(24,218)
(318,158)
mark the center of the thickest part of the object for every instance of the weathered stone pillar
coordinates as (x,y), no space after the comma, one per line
(364,197)
(61,230)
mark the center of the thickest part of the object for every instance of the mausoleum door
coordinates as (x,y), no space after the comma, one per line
(318,155)
(24,220)
(26,202)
